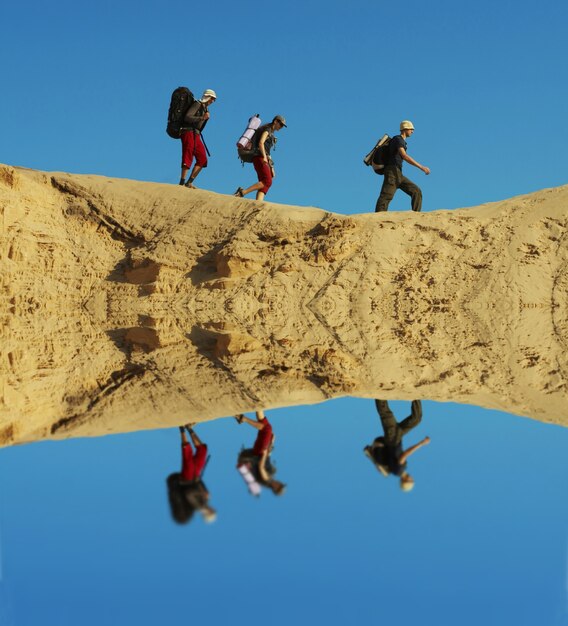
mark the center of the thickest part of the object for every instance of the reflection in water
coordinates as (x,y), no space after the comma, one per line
(386,452)
(186,490)
(255,464)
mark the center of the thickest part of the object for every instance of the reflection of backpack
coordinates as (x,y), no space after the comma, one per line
(185,497)
(245,145)
(377,456)
(245,470)
(378,156)
(181,100)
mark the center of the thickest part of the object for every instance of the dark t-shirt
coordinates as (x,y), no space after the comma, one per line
(394,155)
(270,140)
(194,117)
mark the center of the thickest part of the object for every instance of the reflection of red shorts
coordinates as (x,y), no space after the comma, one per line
(192,146)
(192,464)
(263,439)
(263,172)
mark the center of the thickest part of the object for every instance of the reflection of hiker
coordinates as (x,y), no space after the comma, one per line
(262,142)
(254,463)
(393,171)
(186,490)
(386,452)
(192,145)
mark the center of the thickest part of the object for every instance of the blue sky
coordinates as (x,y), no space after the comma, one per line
(85,535)
(86,88)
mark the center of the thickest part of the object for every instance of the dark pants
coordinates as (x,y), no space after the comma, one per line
(395,431)
(395,180)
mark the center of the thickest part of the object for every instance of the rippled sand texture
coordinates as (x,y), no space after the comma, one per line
(129,305)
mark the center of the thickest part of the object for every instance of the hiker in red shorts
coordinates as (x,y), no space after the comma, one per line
(192,146)
(258,457)
(186,489)
(263,141)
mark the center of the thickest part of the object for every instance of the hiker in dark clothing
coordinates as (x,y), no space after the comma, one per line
(186,490)
(386,452)
(192,145)
(257,458)
(393,178)
(263,141)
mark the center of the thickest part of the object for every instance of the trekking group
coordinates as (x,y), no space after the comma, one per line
(188,116)
(188,494)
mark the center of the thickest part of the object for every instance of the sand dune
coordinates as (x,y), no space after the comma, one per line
(129,305)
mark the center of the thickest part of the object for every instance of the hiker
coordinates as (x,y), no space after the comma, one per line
(393,171)
(186,490)
(263,141)
(386,452)
(192,145)
(255,461)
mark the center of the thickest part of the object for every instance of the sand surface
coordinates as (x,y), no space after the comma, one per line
(129,305)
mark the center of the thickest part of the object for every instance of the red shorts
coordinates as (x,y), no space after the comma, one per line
(263,439)
(192,146)
(263,172)
(192,464)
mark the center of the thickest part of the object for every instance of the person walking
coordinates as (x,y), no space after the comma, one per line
(257,458)
(192,146)
(393,178)
(386,452)
(186,490)
(263,142)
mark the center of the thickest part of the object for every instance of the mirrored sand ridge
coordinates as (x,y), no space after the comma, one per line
(130,305)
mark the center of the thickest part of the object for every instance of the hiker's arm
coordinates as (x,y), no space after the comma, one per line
(404,456)
(261,141)
(410,160)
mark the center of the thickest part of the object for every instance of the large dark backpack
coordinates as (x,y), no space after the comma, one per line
(378,156)
(181,100)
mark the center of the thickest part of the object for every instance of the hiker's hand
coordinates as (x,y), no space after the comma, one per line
(265,159)
(207,115)
(273,172)
(426,170)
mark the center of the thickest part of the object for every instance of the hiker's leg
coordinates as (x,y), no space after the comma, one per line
(186,154)
(390,185)
(200,157)
(187,464)
(260,416)
(183,435)
(388,419)
(253,423)
(199,459)
(414,418)
(414,192)
(259,196)
(254,187)
(194,437)
(264,174)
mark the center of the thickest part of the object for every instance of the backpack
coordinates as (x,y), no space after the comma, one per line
(378,156)
(246,148)
(181,100)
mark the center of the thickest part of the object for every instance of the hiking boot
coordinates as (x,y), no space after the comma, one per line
(239,193)
(189,185)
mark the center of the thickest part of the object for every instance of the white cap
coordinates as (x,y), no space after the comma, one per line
(406,124)
(209,93)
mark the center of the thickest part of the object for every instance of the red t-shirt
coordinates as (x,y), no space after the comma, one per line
(263,439)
